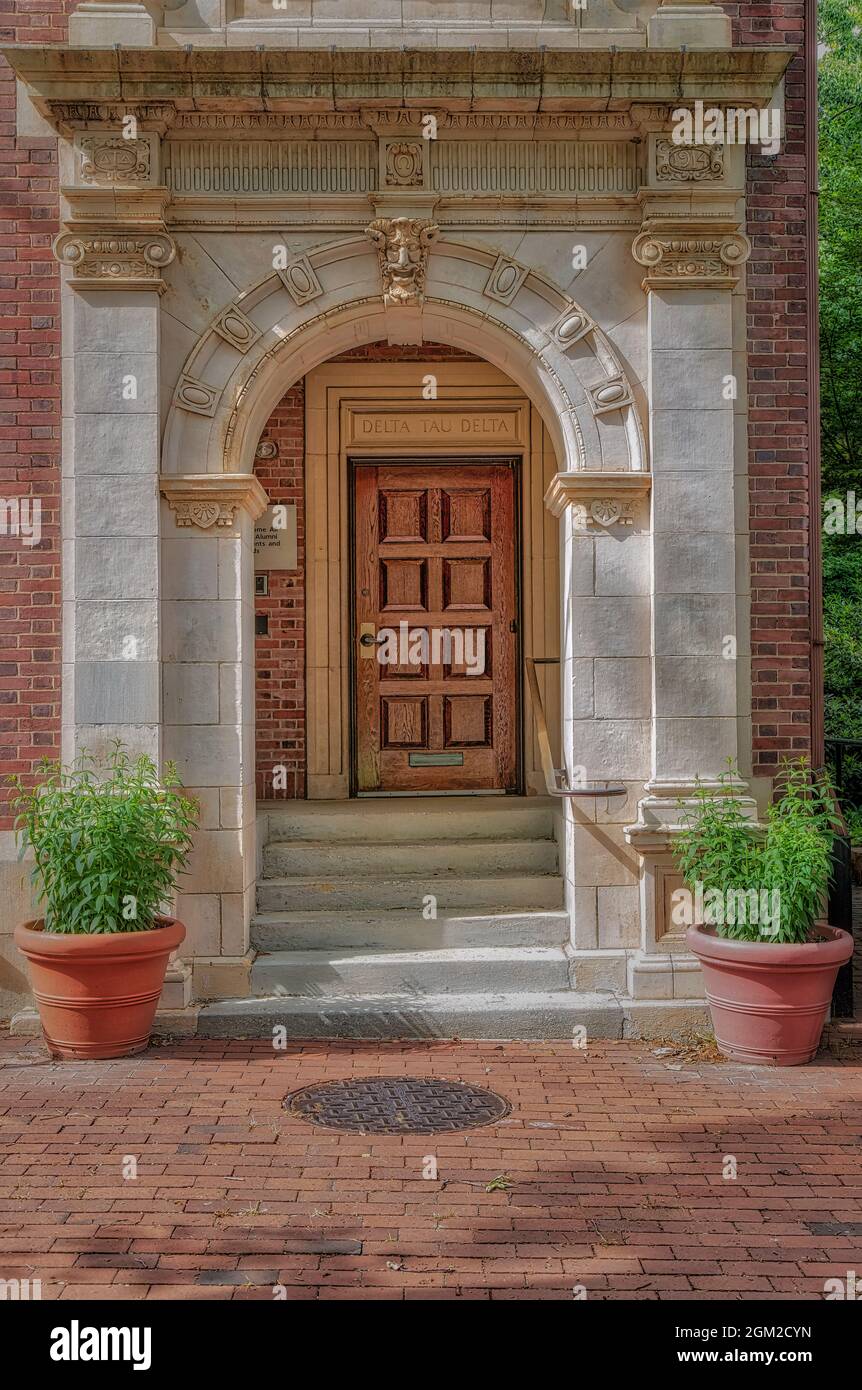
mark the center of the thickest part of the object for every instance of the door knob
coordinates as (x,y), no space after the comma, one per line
(367,640)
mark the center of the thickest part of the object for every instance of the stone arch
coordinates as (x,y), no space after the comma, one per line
(330,299)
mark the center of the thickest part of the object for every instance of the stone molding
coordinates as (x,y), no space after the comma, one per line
(402,249)
(686,253)
(597,499)
(209,500)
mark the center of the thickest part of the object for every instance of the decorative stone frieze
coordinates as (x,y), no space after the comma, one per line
(112,159)
(402,248)
(404,163)
(597,499)
(687,253)
(104,257)
(209,501)
(506,278)
(688,163)
(69,116)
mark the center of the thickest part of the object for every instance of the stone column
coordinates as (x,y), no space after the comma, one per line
(691,248)
(605,644)
(104,23)
(208,690)
(116,246)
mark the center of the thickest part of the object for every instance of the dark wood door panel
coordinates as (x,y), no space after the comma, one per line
(435,597)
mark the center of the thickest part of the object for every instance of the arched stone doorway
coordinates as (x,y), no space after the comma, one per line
(575,401)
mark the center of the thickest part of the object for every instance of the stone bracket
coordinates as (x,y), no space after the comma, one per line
(598,499)
(209,500)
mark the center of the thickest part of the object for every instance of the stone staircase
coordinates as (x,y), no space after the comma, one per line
(412,917)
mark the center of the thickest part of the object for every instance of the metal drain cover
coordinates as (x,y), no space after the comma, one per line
(396,1105)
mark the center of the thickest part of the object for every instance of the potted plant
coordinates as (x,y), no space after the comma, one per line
(108,840)
(769,960)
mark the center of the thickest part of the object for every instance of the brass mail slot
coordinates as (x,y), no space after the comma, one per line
(436,759)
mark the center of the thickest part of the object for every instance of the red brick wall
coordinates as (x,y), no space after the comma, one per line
(778,409)
(280,655)
(29,415)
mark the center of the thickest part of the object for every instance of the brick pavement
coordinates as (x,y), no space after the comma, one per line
(609,1172)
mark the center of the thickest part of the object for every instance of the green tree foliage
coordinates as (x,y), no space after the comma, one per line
(840,88)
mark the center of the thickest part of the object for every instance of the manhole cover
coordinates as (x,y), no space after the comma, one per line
(396,1105)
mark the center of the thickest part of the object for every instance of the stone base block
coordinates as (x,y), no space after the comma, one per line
(176,1023)
(598,970)
(664,975)
(102,26)
(665,1018)
(222,977)
(177,989)
(25,1024)
(695,26)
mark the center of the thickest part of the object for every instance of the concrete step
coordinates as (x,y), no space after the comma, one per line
(364,858)
(407,930)
(490,1016)
(504,892)
(496,969)
(410,819)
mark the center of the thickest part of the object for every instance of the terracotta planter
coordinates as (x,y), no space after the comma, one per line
(768,1001)
(97,994)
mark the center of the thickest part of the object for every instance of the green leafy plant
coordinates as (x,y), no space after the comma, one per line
(721,852)
(108,838)
(853,821)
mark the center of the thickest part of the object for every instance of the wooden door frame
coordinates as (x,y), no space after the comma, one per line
(341,399)
(513,460)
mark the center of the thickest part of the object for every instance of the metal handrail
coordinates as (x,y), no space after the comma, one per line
(556,779)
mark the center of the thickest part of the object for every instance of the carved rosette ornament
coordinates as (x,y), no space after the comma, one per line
(402,250)
(690,258)
(104,258)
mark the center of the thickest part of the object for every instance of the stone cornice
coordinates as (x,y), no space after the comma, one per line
(285,80)
(599,499)
(209,500)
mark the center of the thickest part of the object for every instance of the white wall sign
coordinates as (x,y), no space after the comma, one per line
(275,539)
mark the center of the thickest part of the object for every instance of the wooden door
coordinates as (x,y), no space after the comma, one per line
(435,632)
